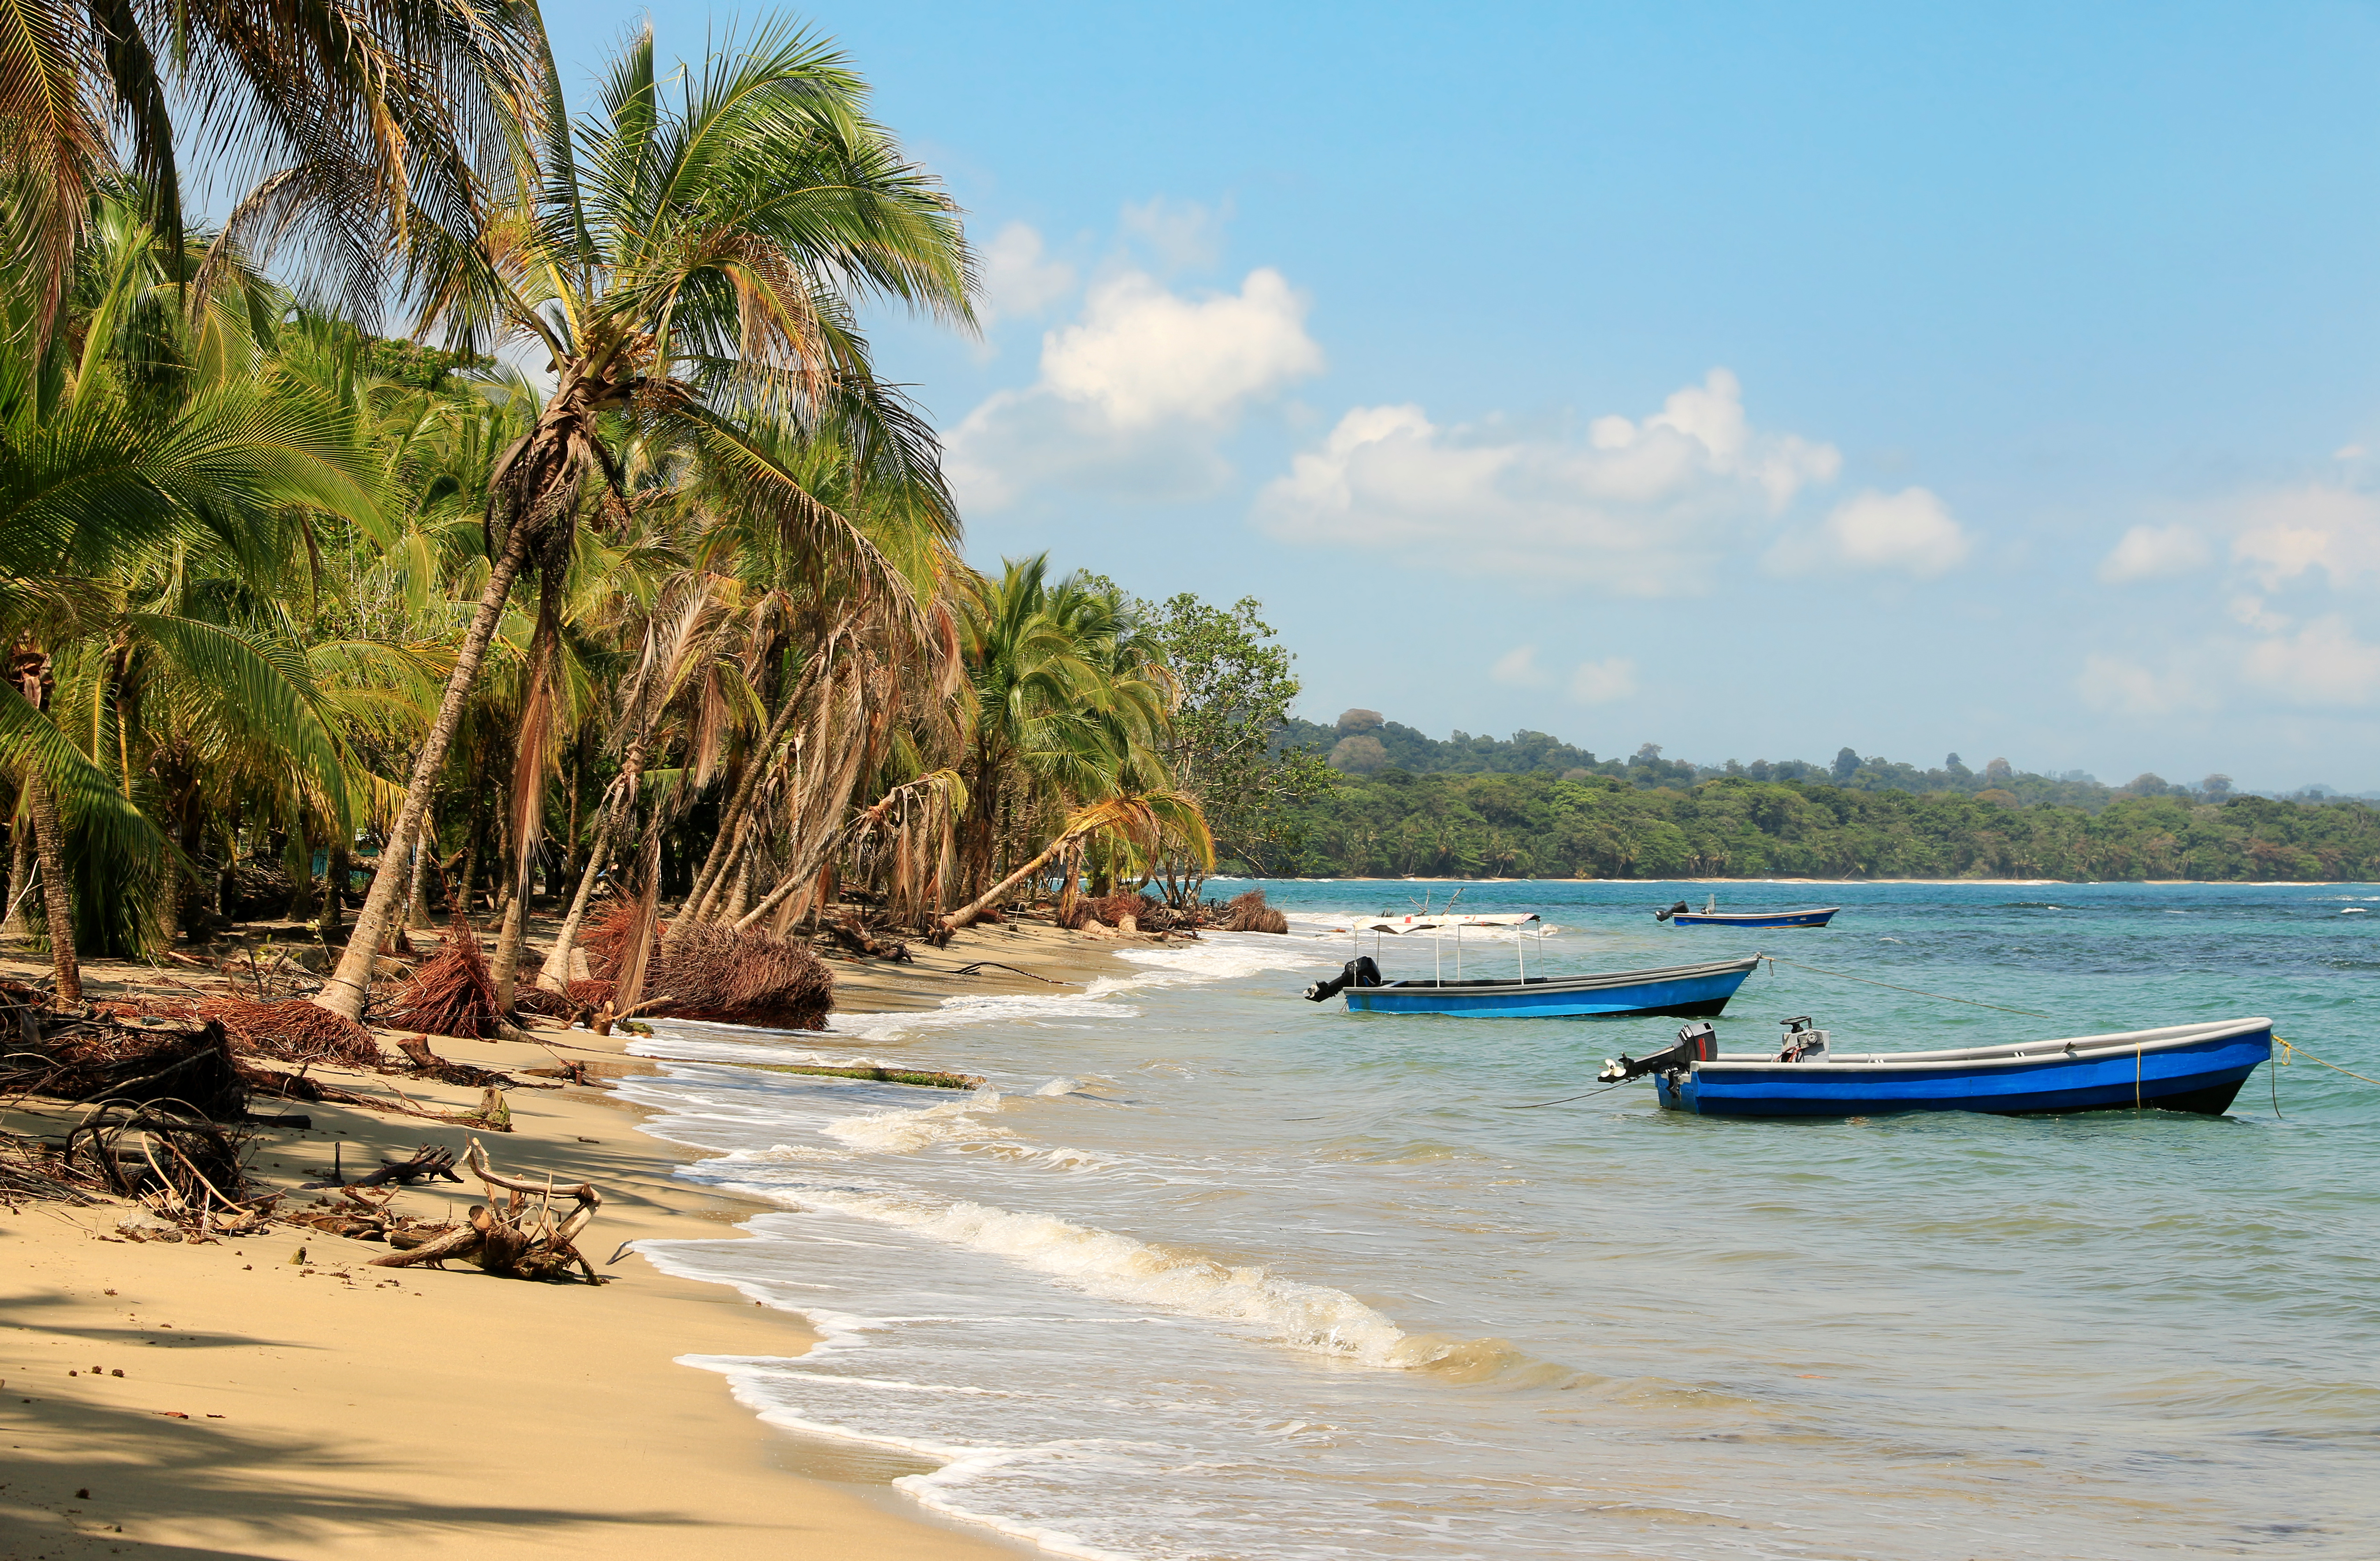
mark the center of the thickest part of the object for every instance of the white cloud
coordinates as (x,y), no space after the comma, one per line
(1182,234)
(1135,395)
(2147,552)
(2323,663)
(1019,279)
(1518,666)
(1604,682)
(1644,508)
(2285,535)
(1909,532)
(2251,611)
(2121,687)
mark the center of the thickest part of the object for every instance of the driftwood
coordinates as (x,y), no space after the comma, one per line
(429,1064)
(428,1164)
(518,1236)
(928,1078)
(853,935)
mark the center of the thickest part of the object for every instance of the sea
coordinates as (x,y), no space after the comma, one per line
(1210,1271)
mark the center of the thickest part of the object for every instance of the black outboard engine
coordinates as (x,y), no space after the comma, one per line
(1359,972)
(1664,915)
(1696,1043)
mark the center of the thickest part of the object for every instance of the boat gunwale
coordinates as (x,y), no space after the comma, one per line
(2017,1054)
(1545,984)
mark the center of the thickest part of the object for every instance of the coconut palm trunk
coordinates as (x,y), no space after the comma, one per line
(58,892)
(20,878)
(350,983)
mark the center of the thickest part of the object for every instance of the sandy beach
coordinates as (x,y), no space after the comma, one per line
(277,1397)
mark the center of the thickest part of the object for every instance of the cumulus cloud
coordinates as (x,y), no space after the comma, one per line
(2118,687)
(2323,663)
(1636,508)
(1604,682)
(1911,532)
(1518,666)
(1135,395)
(2333,532)
(2148,552)
(1019,278)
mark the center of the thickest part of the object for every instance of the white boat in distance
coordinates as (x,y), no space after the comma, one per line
(1400,926)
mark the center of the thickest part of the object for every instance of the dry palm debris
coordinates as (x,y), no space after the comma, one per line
(452,994)
(1248,913)
(100,1056)
(745,977)
(294,1031)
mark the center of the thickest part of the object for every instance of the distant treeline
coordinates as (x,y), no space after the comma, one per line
(1588,822)
(1365,743)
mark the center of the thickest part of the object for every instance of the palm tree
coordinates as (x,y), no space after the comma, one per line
(147,462)
(691,270)
(354,117)
(1067,702)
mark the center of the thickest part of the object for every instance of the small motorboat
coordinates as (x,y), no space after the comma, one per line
(2178,1068)
(1711,915)
(1403,925)
(1684,990)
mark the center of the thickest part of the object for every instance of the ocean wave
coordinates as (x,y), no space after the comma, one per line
(1314,1318)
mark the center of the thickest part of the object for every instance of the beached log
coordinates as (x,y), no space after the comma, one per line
(429,1064)
(928,1078)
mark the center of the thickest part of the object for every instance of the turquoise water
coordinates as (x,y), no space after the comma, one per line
(1214,1271)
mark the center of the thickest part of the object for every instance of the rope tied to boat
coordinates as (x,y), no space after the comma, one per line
(1917,991)
(1565,1100)
(2290,1052)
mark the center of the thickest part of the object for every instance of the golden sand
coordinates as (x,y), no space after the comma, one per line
(270,1406)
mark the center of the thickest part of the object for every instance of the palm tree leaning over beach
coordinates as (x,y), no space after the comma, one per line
(691,270)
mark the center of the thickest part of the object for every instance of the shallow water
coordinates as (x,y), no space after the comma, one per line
(1214,1271)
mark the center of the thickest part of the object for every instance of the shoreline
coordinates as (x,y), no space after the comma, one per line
(1857,883)
(334,1408)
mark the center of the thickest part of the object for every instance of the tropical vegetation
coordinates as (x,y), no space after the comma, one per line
(622,576)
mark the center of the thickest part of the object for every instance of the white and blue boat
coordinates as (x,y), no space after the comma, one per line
(1685,991)
(1711,915)
(2178,1068)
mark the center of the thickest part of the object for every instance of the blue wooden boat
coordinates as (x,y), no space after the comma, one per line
(1711,915)
(1683,990)
(2178,1068)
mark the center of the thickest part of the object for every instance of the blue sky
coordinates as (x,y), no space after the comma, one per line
(1748,379)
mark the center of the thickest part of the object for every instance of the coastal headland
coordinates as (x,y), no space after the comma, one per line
(275,1395)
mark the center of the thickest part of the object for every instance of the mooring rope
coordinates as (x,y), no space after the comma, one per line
(1568,1098)
(2295,1051)
(1941,997)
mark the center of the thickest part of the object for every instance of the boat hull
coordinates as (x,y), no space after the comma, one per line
(1754,918)
(2174,1072)
(1688,991)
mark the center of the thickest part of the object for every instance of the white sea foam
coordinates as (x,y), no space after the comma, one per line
(1114,1267)
(1071,1009)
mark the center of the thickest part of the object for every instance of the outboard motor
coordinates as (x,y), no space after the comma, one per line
(1360,972)
(1801,1041)
(1664,915)
(1696,1043)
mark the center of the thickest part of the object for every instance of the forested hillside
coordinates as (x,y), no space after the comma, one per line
(1365,743)
(1538,825)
